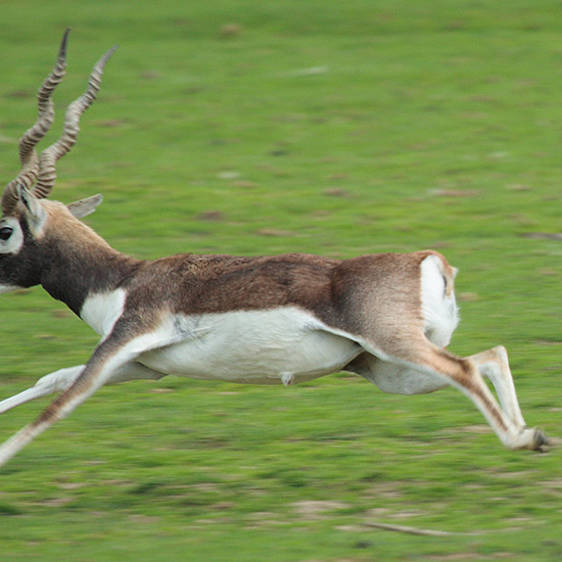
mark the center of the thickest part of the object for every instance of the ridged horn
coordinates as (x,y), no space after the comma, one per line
(28,155)
(47,163)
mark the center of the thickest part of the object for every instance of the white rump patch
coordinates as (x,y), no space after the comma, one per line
(440,312)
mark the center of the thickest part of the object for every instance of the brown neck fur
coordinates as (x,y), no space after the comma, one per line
(76,261)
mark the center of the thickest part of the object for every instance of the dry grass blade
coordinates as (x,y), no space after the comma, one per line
(415,530)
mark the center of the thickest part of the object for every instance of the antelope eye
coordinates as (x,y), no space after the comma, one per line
(6,232)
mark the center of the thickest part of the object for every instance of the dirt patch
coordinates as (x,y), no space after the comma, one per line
(407,514)
(19,94)
(143,519)
(555,484)
(111,123)
(542,235)
(57,502)
(274,232)
(468,297)
(230,30)
(337,192)
(210,216)
(260,519)
(71,485)
(385,490)
(313,510)
(454,192)
(476,428)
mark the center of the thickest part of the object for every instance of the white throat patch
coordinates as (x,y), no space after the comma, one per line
(8,288)
(101,310)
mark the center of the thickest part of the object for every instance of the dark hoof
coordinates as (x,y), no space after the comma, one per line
(541,442)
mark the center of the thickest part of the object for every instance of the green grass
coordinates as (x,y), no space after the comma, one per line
(335,128)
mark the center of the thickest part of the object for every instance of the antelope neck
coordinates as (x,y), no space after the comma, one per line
(71,272)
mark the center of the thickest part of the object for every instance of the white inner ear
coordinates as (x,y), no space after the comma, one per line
(36,215)
(15,242)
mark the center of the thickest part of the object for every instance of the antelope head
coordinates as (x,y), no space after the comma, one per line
(26,213)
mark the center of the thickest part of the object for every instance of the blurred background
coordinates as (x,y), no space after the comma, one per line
(340,129)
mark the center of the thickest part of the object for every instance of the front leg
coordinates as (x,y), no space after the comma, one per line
(122,347)
(63,378)
(53,382)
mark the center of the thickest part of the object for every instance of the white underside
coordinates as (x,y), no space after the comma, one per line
(284,345)
(262,347)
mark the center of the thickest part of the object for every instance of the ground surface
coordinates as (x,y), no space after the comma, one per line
(336,128)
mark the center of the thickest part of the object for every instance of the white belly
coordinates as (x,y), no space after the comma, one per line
(263,347)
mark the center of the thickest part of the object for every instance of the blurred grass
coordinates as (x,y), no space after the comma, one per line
(334,128)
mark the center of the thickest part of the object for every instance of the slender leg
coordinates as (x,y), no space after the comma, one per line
(494,364)
(394,378)
(53,382)
(63,378)
(465,374)
(92,377)
(120,348)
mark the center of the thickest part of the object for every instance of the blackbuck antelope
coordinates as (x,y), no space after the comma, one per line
(265,320)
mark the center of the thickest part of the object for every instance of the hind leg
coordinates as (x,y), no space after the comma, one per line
(394,378)
(425,367)
(466,375)
(409,330)
(494,364)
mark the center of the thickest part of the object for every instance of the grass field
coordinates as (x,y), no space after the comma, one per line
(326,127)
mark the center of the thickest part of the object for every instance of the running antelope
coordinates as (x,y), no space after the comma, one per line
(265,320)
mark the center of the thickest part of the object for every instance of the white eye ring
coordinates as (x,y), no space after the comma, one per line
(11,236)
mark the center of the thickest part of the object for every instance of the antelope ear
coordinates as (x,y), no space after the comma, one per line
(85,207)
(33,209)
